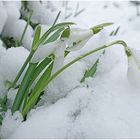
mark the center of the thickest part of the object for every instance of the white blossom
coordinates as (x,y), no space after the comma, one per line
(133,72)
(78,38)
(44,51)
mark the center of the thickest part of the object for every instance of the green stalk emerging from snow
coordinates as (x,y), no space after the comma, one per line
(33,99)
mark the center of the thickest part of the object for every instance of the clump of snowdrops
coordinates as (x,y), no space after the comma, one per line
(45,62)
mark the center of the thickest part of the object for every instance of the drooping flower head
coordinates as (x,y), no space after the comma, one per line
(77,38)
(133,71)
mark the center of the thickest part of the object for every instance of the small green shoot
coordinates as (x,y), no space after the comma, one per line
(90,72)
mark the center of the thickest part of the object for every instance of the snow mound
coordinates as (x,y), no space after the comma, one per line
(108,104)
(16,32)
(41,14)
(14,121)
(3,16)
(11,62)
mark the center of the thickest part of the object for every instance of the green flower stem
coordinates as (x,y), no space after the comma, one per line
(32,100)
(24,85)
(22,69)
(25,29)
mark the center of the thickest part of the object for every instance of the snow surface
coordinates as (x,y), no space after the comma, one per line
(3,16)
(11,61)
(41,14)
(105,106)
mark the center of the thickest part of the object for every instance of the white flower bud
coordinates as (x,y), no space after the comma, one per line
(133,72)
(59,59)
(44,51)
(78,38)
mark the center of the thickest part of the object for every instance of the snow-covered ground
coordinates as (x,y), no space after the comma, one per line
(104,106)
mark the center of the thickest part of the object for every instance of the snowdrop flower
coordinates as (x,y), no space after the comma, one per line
(78,38)
(133,72)
(73,40)
(57,48)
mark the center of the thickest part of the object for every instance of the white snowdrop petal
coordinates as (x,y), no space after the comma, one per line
(78,46)
(78,38)
(136,55)
(44,51)
(59,59)
(79,34)
(133,72)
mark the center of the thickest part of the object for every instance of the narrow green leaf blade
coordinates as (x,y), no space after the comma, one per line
(37,90)
(37,35)
(54,36)
(41,67)
(91,72)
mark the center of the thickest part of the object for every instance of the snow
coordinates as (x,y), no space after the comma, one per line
(11,61)
(14,121)
(16,31)
(3,16)
(41,14)
(105,105)
(12,11)
(11,94)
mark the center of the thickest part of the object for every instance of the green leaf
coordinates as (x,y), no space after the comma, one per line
(63,24)
(37,35)
(35,94)
(54,36)
(91,72)
(24,85)
(56,18)
(66,33)
(1,118)
(40,67)
(115,32)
